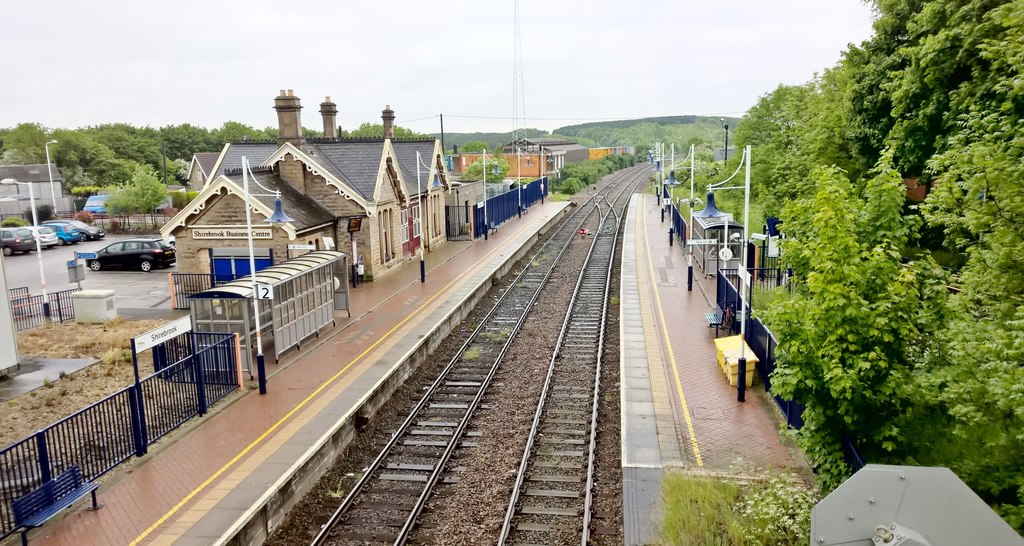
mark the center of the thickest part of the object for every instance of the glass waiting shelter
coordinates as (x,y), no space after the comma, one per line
(304,291)
(712,223)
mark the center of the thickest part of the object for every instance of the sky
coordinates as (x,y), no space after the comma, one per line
(70,64)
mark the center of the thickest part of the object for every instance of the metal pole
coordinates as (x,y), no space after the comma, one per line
(53,195)
(726,142)
(39,252)
(689,231)
(163,155)
(261,371)
(487,227)
(742,387)
(419,198)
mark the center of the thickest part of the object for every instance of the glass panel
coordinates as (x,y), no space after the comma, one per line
(202,308)
(235,310)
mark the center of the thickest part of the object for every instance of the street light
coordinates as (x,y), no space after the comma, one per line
(484,170)
(39,250)
(278,217)
(423,229)
(726,126)
(744,275)
(53,196)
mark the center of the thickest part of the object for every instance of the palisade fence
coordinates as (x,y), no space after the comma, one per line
(502,207)
(28,309)
(763,343)
(111,431)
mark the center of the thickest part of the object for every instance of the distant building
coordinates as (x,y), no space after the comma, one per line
(39,177)
(327,185)
(201,167)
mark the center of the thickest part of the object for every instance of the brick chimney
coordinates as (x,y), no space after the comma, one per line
(288,120)
(329,111)
(388,115)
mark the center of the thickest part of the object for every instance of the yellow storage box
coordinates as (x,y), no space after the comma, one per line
(728,349)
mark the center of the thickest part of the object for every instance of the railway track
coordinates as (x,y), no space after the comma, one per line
(384,504)
(553,493)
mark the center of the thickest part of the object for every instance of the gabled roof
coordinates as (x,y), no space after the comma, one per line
(30,173)
(357,163)
(205,162)
(405,152)
(305,212)
(315,162)
(256,151)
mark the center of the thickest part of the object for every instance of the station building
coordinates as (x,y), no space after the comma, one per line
(360,196)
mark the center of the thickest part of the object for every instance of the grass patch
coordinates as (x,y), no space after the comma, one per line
(471,353)
(774,509)
(615,300)
(560,197)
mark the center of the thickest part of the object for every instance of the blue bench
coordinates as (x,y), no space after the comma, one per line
(47,500)
(719,318)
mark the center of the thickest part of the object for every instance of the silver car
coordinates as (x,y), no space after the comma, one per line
(47,238)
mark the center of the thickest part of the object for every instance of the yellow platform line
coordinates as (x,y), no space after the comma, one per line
(668,346)
(170,513)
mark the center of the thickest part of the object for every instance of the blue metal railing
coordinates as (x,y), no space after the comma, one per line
(502,207)
(28,309)
(109,432)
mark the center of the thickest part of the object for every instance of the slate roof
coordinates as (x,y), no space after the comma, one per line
(305,211)
(30,173)
(356,163)
(405,151)
(256,152)
(206,161)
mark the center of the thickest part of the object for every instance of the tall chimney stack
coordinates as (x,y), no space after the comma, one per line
(329,111)
(388,115)
(289,123)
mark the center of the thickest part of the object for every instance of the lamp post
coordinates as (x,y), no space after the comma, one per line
(726,126)
(689,229)
(744,275)
(419,192)
(39,250)
(486,225)
(53,195)
(278,217)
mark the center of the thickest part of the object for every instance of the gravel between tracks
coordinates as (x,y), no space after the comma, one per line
(471,510)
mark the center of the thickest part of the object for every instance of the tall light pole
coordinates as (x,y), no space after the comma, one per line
(53,196)
(486,225)
(39,250)
(419,197)
(726,127)
(689,229)
(278,217)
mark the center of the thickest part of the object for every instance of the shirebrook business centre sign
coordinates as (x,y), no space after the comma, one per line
(240,232)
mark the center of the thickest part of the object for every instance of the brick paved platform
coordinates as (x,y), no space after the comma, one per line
(231,476)
(678,409)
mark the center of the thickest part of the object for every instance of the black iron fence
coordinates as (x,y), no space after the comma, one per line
(456,222)
(184,285)
(111,431)
(29,310)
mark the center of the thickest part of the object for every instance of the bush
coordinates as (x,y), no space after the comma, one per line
(85,216)
(13,221)
(44,212)
(571,186)
(179,199)
(115,226)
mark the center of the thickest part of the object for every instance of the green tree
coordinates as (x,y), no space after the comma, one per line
(851,338)
(371,130)
(142,194)
(473,147)
(475,171)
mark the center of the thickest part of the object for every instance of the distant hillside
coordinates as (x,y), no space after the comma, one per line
(492,139)
(681,130)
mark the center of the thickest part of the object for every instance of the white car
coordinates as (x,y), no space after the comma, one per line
(47,237)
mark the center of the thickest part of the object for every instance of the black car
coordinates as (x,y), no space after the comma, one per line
(143,254)
(91,233)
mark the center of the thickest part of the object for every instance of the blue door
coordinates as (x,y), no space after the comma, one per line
(229,268)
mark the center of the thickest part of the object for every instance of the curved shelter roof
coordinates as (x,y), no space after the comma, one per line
(273,275)
(710,217)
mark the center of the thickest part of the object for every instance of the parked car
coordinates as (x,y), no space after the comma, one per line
(97,204)
(67,234)
(91,233)
(17,240)
(47,238)
(143,254)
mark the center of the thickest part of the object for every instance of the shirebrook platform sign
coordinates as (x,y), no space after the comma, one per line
(240,232)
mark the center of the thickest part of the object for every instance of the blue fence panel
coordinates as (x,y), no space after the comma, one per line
(535,191)
(28,309)
(96,438)
(678,225)
(19,473)
(217,359)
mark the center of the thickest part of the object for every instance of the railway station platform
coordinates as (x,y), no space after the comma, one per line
(678,411)
(232,475)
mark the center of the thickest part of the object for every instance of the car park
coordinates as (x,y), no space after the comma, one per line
(66,233)
(17,240)
(47,237)
(92,233)
(141,254)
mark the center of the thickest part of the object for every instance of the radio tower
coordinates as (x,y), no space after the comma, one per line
(518,96)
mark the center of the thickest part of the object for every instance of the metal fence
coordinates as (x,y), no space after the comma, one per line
(109,432)
(28,310)
(502,207)
(456,223)
(184,285)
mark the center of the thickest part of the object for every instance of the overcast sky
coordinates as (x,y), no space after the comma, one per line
(69,64)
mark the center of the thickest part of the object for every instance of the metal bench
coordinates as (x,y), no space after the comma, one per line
(719,319)
(493,228)
(47,500)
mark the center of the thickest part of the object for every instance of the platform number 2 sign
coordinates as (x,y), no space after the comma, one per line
(264,292)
